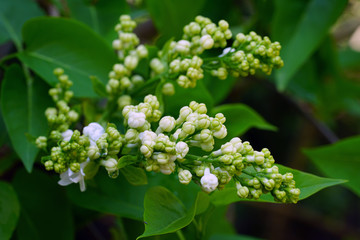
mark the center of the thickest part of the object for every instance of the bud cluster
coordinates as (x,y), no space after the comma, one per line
(62,116)
(187,71)
(254,172)
(121,78)
(248,54)
(203,34)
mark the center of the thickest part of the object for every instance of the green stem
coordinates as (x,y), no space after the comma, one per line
(180,235)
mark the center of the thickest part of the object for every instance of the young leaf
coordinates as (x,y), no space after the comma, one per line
(160,202)
(307,183)
(45,211)
(57,42)
(340,160)
(23,110)
(134,175)
(240,118)
(320,15)
(9,210)
(10,23)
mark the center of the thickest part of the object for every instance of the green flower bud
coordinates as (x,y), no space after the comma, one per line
(41,142)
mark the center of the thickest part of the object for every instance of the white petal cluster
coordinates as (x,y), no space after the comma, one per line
(136,119)
(209,181)
(140,116)
(181,150)
(66,136)
(93,131)
(167,124)
(69,177)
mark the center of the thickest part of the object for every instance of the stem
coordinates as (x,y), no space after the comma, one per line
(180,235)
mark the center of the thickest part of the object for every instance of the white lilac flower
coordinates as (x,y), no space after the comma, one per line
(69,177)
(167,123)
(67,135)
(93,131)
(181,150)
(209,181)
(136,120)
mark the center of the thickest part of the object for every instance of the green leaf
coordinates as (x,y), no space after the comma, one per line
(109,195)
(219,89)
(320,15)
(98,86)
(117,196)
(307,183)
(10,23)
(160,202)
(100,15)
(339,160)
(134,175)
(240,118)
(57,42)
(9,210)
(45,210)
(23,111)
(215,222)
(171,16)
(286,18)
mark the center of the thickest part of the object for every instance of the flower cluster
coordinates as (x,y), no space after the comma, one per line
(248,54)
(62,116)
(130,53)
(163,143)
(203,34)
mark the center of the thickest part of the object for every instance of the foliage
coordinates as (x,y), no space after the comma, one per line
(166,163)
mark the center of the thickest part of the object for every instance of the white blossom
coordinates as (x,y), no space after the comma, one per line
(209,181)
(181,150)
(136,120)
(93,131)
(67,135)
(69,177)
(167,123)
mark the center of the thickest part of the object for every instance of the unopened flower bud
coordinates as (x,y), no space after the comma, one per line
(185,176)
